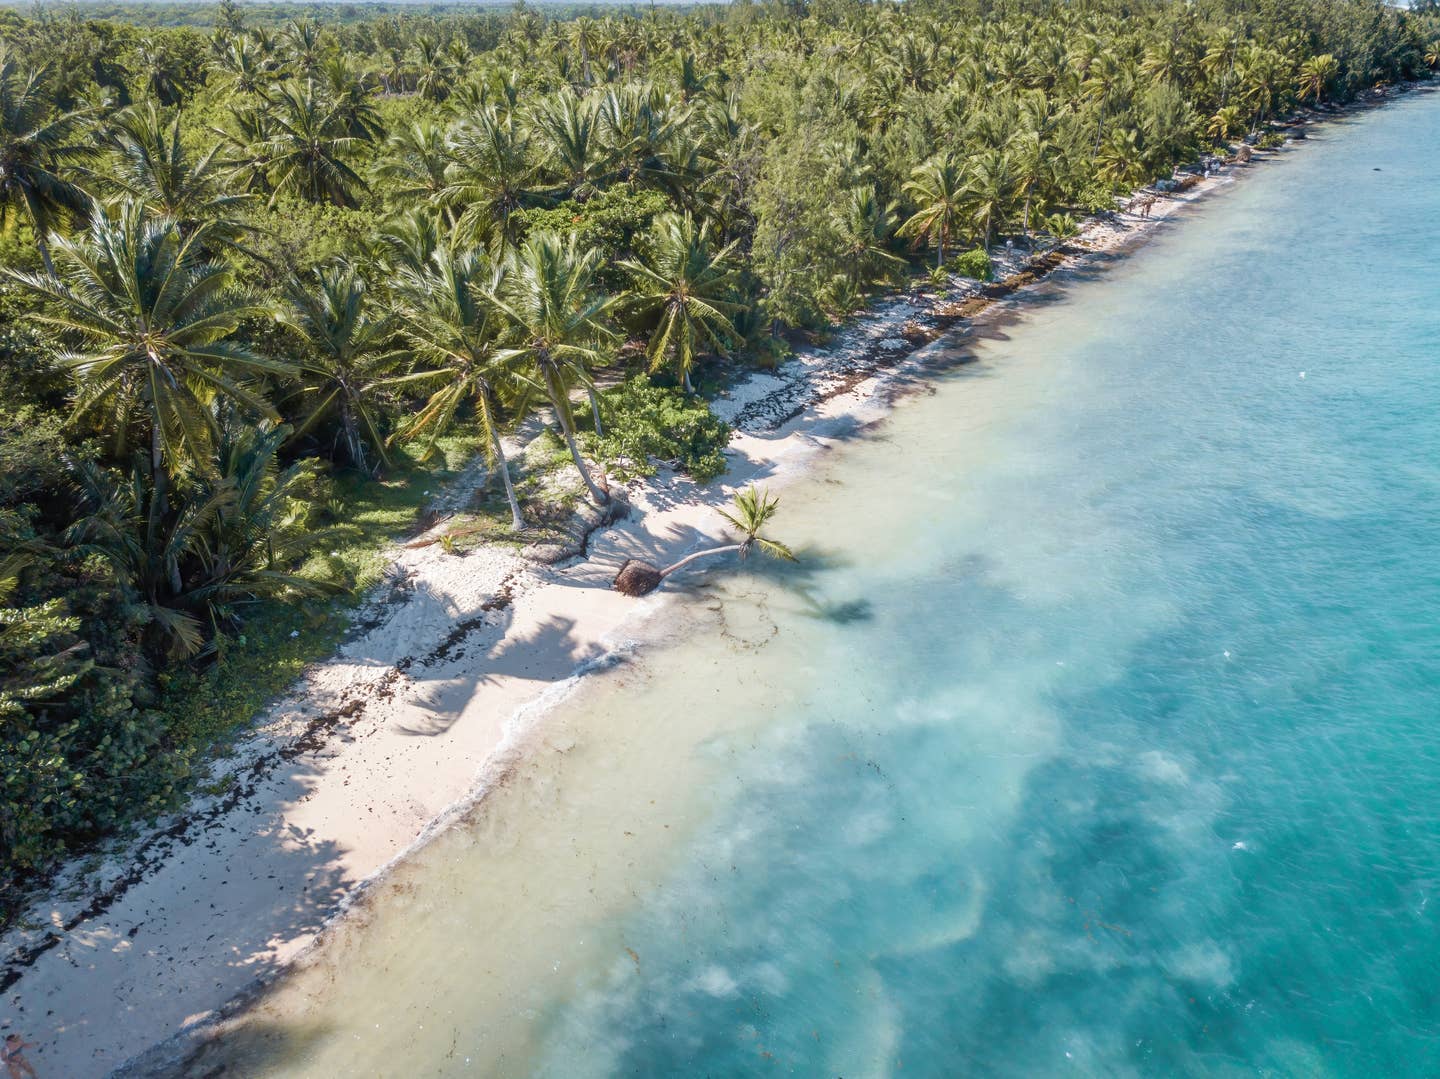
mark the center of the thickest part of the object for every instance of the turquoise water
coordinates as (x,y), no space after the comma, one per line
(1094,735)
(1229,856)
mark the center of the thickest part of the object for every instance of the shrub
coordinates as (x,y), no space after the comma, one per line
(1271,140)
(645,422)
(974,264)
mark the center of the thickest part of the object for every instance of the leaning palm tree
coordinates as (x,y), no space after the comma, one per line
(153,316)
(938,187)
(680,294)
(351,356)
(452,325)
(753,509)
(552,314)
(35,142)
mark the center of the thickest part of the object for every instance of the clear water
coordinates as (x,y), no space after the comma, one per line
(1095,735)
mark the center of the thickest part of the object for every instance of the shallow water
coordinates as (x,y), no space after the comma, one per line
(1094,734)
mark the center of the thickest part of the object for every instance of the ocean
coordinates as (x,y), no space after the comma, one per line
(1096,732)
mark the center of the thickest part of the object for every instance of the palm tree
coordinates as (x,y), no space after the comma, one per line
(452,324)
(308,148)
(938,186)
(1316,74)
(348,93)
(248,68)
(154,316)
(231,538)
(489,176)
(866,224)
(680,293)
(567,127)
(552,311)
(34,143)
(1227,122)
(753,509)
(351,355)
(433,68)
(151,164)
(156,66)
(414,161)
(989,194)
(305,40)
(1121,159)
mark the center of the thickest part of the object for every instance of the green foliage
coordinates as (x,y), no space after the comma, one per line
(396,231)
(1271,140)
(974,263)
(608,222)
(645,423)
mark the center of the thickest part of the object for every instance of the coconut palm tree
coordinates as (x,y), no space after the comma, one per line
(35,142)
(1316,74)
(305,42)
(452,324)
(1226,124)
(150,163)
(752,510)
(866,225)
(938,187)
(230,538)
(349,93)
(567,126)
(434,71)
(414,161)
(552,314)
(248,69)
(989,194)
(153,316)
(309,146)
(680,293)
(351,356)
(489,176)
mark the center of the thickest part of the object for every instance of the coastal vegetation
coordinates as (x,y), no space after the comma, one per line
(268,280)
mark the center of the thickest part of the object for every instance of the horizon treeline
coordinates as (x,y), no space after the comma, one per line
(247,267)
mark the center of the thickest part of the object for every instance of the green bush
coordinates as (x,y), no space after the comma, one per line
(974,264)
(1271,140)
(645,422)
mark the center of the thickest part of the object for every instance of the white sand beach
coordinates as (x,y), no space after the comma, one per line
(373,750)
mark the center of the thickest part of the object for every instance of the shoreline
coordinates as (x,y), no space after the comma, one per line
(316,788)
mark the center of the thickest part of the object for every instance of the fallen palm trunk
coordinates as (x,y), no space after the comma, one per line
(637,578)
(752,510)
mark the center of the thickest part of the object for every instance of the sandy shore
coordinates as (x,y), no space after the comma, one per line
(376,748)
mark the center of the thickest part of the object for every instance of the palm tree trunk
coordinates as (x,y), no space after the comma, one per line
(599,497)
(352,436)
(517,523)
(44,246)
(595,411)
(162,498)
(697,555)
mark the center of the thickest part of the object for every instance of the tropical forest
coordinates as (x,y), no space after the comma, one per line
(274,275)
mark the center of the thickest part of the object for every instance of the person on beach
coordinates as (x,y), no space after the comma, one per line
(14,1057)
